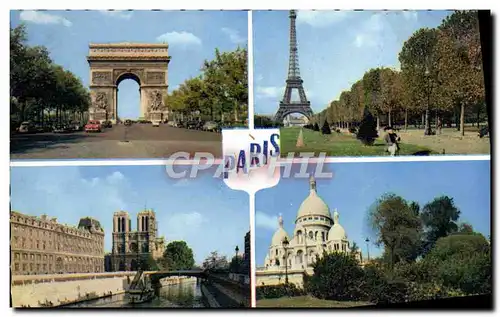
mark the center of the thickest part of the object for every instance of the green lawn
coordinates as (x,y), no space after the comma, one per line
(306,302)
(337,144)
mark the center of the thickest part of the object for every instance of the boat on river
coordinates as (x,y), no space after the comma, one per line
(140,290)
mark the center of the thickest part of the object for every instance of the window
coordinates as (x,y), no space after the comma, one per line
(16,256)
(316,218)
(323,236)
(310,218)
(16,267)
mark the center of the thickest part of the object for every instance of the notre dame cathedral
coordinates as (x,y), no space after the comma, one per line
(131,247)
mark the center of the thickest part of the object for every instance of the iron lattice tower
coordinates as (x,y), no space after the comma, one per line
(294,81)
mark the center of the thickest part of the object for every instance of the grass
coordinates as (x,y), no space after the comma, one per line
(306,302)
(337,144)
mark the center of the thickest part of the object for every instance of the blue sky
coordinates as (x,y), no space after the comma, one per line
(203,211)
(356,186)
(335,49)
(192,36)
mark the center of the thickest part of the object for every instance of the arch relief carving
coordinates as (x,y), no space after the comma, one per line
(156,100)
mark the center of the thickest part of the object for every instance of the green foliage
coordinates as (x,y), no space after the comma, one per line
(441,71)
(38,85)
(277,291)
(325,129)
(219,93)
(147,263)
(266,122)
(316,127)
(367,132)
(462,261)
(439,217)
(397,227)
(337,276)
(215,262)
(178,256)
(237,265)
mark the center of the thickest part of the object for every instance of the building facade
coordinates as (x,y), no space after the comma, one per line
(41,245)
(132,247)
(316,230)
(247,255)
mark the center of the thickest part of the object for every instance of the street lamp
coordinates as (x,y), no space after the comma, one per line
(368,248)
(236,250)
(285,246)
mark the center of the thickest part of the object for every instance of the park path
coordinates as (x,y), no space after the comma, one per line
(450,141)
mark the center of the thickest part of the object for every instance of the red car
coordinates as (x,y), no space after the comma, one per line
(93,126)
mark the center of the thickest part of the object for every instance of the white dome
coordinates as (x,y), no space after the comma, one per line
(336,232)
(280,234)
(313,204)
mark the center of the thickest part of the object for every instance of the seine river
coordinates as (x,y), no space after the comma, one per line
(181,295)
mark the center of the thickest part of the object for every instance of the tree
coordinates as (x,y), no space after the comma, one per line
(147,263)
(178,256)
(325,129)
(419,70)
(390,92)
(397,228)
(316,127)
(372,93)
(337,276)
(461,261)
(459,46)
(236,265)
(367,132)
(215,262)
(439,218)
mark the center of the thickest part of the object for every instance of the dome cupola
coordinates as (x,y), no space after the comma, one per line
(313,205)
(336,232)
(280,234)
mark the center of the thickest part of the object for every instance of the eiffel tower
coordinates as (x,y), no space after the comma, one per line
(294,81)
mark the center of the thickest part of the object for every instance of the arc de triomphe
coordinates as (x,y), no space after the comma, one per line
(110,64)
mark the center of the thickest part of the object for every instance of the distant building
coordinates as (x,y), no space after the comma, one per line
(291,121)
(131,247)
(247,255)
(41,245)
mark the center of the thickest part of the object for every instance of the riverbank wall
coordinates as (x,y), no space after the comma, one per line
(63,290)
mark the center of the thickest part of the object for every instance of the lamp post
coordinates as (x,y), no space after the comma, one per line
(236,250)
(368,248)
(285,246)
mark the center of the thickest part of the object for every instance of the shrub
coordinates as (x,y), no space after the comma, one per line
(380,290)
(277,291)
(352,130)
(336,276)
(325,129)
(316,127)
(367,132)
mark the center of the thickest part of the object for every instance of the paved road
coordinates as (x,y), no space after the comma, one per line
(136,141)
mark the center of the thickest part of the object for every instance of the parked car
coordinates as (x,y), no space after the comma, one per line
(93,126)
(199,125)
(128,122)
(192,124)
(26,127)
(155,123)
(75,126)
(106,124)
(172,124)
(180,124)
(210,126)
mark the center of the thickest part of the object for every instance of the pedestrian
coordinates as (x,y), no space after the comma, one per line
(439,125)
(392,141)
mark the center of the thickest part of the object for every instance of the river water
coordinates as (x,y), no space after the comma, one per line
(186,294)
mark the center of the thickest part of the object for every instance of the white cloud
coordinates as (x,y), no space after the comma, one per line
(265,221)
(320,19)
(182,39)
(234,36)
(371,31)
(271,92)
(118,14)
(41,17)
(259,78)
(410,15)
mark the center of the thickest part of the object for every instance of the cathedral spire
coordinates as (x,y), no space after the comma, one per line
(335,217)
(312,184)
(280,221)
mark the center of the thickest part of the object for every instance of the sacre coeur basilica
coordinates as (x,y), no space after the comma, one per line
(316,230)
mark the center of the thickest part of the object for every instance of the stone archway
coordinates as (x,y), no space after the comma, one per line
(147,64)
